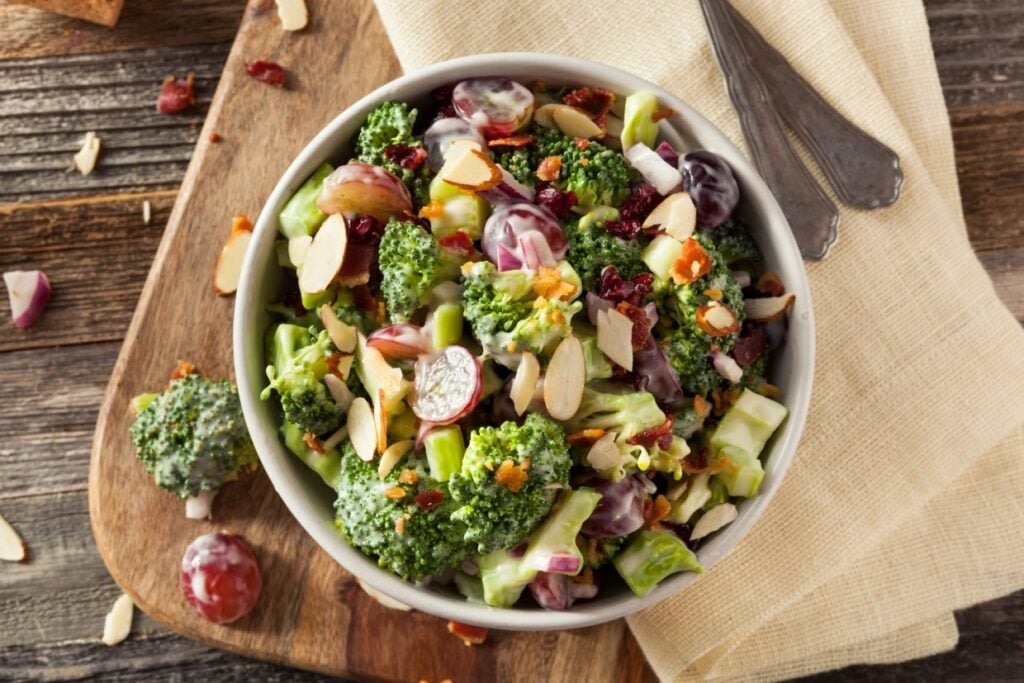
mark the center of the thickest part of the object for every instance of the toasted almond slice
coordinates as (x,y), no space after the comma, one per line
(229,263)
(361,429)
(325,255)
(334,439)
(293,14)
(615,337)
(390,457)
(85,158)
(676,214)
(340,392)
(713,520)
(604,454)
(545,115)
(676,490)
(342,334)
(472,170)
(575,122)
(12,548)
(564,380)
(298,247)
(345,366)
(380,420)
(457,148)
(384,600)
(717,319)
(525,382)
(118,623)
(770,308)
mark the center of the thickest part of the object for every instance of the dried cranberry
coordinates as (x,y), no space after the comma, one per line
(429,499)
(661,435)
(270,73)
(616,289)
(559,202)
(364,229)
(457,242)
(407,157)
(748,347)
(640,202)
(175,95)
(623,229)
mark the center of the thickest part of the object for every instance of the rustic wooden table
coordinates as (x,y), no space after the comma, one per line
(60,77)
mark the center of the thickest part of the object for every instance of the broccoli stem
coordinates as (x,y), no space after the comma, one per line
(652,556)
(447,325)
(327,465)
(300,216)
(445,449)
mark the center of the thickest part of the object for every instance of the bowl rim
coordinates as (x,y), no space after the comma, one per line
(279,463)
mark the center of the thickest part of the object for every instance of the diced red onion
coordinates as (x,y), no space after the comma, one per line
(727,366)
(507,259)
(551,591)
(29,292)
(536,251)
(666,152)
(561,564)
(664,177)
(508,223)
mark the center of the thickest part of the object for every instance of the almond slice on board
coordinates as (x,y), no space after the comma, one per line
(229,263)
(615,337)
(85,158)
(361,429)
(564,380)
(325,255)
(770,308)
(118,623)
(524,384)
(293,14)
(12,548)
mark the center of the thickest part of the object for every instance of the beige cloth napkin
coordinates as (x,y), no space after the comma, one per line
(904,500)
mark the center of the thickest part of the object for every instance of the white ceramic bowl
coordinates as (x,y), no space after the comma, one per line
(311,502)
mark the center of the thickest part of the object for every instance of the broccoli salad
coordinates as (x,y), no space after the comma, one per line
(526,342)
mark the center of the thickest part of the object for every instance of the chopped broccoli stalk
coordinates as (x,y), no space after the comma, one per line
(492,382)
(297,365)
(445,448)
(504,577)
(504,488)
(192,437)
(598,175)
(719,494)
(592,248)
(749,423)
(410,541)
(661,255)
(598,216)
(652,556)
(300,216)
(410,261)
(313,301)
(447,328)
(471,587)
(743,476)
(461,211)
(327,465)
(638,124)
(390,124)
(697,494)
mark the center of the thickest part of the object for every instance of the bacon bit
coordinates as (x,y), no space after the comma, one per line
(511,346)
(714,293)
(332,362)
(641,324)
(692,265)
(582,143)
(400,525)
(458,243)
(551,197)
(429,499)
(768,389)
(586,577)
(549,168)
(433,210)
(584,162)
(701,407)
(270,73)
(175,95)
(585,438)
(408,476)
(717,319)
(659,510)
(407,157)
(471,635)
(700,462)
(662,113)
(640,202)
(312,442)
(721,400)
(770,284)
(557,317)
(214,137)
(241,224)
(594,101)
(514,141)
(661,435)
(512,476)
(615,289)
(749,347)
(395,493)
(182,369)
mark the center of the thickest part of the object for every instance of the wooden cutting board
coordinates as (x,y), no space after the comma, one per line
(312,613)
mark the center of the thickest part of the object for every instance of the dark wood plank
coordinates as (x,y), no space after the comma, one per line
(26,32)
(1006,268)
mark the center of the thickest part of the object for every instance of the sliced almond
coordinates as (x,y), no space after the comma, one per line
(713,520)
(676,490)
(676,214)
(458,147)
(147,212)
(380,420)
(604,454)
(544,115)
(770,308)
(384,600)
(472,170)
(325,255)
(615,337)
(361,429)
(293,14)
(85,158)
(340,392)
(376,373)
(525,382)
(343,335)
(575,122)
(298,247)
(717,319)
(334,439)
(390,457)
(564,380)
(229,263)
(12,548)
(345,366)
(118,623)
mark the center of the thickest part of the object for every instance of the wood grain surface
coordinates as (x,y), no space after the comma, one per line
(90,239)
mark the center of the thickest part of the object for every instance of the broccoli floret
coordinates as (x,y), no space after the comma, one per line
(735,243)
(596,174)
(591,248)
(349,313)
(410,261)
(625,414)
(391,123)
(192,437)
(547,323)
(520,162)
(297,359)
(411,541)
(503,488)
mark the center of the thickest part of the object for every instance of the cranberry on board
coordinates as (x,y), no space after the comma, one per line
(220,577)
